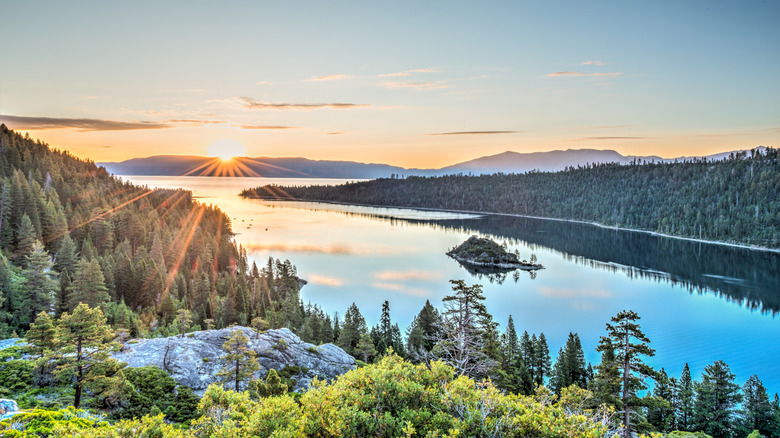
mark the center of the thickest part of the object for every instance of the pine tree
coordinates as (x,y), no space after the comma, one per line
(660,413)
(88,285)
(353,328)
(25,237)
(606,383)
(365,347)
(39,285)
(569,369)
(240,361)
(184,320)
(41,338)
(463,333)
(716,399)
(757,410)
(423,332)
(685,411)
(628,341)
(542,363)
(272,386)
(85,341)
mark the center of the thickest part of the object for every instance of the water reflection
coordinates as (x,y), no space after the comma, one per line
(743,276)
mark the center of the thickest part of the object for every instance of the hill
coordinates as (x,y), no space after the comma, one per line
(734,200)
(297,167)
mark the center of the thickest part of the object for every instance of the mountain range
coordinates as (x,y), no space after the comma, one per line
(298,167)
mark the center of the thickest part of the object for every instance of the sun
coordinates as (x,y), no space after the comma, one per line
(226,149)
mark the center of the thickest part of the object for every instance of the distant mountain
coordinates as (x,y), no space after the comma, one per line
(296,167)
(180,165)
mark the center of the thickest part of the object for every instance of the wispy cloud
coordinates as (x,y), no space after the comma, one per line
(595,62)
(263,83)
(254,104)
(410,72)
(266,127)
(613,138)
(579,73)
(335,133)
(607,127)
(42,123)
(195,122)
(327,78)
(476,132)
(415,85)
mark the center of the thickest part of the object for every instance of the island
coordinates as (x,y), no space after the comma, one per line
(484,255)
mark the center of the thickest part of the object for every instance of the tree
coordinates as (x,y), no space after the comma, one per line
(685,410)
(39,284)
(716,399)
(240,361)
(422,333)
(757,410)
(272,386)
(41,338)
(184,319)
(260,325)
(541,355)
(353,328)
(365,347)
(461,343)
(512,375)
(85,341)
(26,237)
(88,285)
(629,343)
(660,413)
(606,384)
(569,369)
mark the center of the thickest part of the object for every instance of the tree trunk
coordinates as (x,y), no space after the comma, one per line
(626,408)
(237,367)
(79,376)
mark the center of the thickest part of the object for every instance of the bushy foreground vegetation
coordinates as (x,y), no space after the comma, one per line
(733,200)
(390,398)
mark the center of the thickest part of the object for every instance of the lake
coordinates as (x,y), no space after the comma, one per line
(698,302)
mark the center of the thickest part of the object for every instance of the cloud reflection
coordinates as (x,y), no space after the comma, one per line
(400,288)
(413,274)
(324,280)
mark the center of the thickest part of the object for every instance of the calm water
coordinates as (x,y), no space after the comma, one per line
(698,303)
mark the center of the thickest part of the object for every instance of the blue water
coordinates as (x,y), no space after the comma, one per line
(699,303)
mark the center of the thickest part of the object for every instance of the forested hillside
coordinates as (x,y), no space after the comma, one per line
(736,200)
(70,233)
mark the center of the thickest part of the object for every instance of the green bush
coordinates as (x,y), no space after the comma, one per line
(16,376)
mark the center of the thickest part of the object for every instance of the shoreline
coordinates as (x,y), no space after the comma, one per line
(486,213)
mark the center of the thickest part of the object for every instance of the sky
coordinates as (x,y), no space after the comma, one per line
(409,83)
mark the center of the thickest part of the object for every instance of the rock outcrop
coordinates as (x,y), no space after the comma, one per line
(195,359)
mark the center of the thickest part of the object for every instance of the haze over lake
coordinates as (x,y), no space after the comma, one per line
(698,302)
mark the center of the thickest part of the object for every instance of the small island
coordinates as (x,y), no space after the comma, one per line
(479,253)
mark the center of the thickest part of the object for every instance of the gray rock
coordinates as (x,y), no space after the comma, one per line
(11,342)
(195,359)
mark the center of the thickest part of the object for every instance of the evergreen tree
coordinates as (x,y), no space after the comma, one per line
(88,285)
(716,399)
(272,386)
(85,344)
(541,355)
(685,412)
(353,328)
(184,320)
(463,332)
(25,237)
(240,361)
(628,341)
(39,285)
(423,332)
(757,410)
(660,412)
(569,369)
(606,383)
(41,338)
(365,347)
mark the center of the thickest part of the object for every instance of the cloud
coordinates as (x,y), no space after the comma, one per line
(476,132)
(263,83)
(195,122)
(327,78)
(571,293)
(410,72)
(267,127)
(607,127)
(613,138)
(301,247)
(325,280)
(253,104)
(413,274)
(43,123)
(579,73)
(596,62)
(335,133)
(416,85)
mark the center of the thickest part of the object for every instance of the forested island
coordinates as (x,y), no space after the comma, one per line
(735,200)
(91,266)
(484,254)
